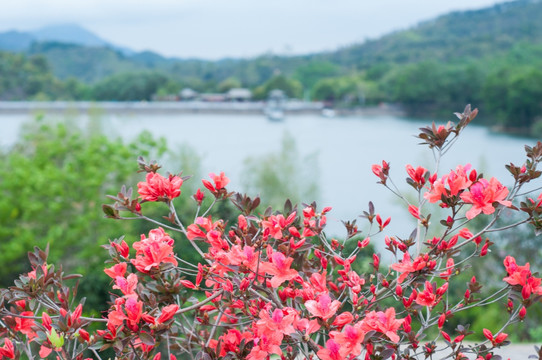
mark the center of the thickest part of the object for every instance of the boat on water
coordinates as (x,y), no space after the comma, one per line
(275,106)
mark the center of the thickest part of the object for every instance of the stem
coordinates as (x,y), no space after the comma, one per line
(200,304)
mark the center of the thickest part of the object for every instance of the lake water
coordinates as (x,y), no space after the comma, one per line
(345,149)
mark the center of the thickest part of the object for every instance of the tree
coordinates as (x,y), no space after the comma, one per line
(52,182)
(292,88)
(129,86)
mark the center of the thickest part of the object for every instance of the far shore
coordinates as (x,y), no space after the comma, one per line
(291,107)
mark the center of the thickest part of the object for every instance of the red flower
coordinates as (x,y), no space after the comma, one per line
(8,350)
(279,268)
(24,325)
(198,196)
(324,308)
(167,313)
(277,223)
(383,322)
(381,171)
(407,266)
(331,351)
(220,182)
(158,188)
(155,250)
(414,211)
(418,174)
(483,194)
(450,185)
(116,270)
(427,297)
(349,339)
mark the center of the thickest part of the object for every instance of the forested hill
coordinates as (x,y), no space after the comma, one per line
(490,57)
(455,36)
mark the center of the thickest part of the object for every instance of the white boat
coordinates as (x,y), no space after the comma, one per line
(276,103)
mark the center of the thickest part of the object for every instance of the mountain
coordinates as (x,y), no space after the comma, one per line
(488,33)
(70,34)
(456,36)
(21,41)
(15,41)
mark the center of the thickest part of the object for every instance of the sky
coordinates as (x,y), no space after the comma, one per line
(213,29)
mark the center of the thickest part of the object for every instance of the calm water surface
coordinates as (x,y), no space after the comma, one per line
(345,148)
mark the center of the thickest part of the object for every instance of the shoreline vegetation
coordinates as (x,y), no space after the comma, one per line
(291,107)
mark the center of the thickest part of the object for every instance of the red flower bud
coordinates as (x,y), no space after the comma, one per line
(84,334)
(488,334)
(376,262)
(522,313)
(441,320)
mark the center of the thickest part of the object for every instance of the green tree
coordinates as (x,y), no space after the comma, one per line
(284,174)
(129,86)
(515,95)
(291,87)
(312,72)
(229,83)
(53,182)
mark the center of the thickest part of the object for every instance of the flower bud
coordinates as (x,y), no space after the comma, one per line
(522,313)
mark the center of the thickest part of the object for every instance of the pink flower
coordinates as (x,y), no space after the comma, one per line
(220,182)
(381,171)
(349,339)
(451,184)
(483,194)
(158,188)
(324,308)
(427,297)
(8,350)
(407,266)
(331,351)
(383,322)
(128,285)
(24,325)
(167,313)
(417,175)
(154,251)
(279,268)
(277,223)
(116,270)
(522,276)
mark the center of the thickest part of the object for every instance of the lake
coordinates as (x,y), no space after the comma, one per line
(344,148)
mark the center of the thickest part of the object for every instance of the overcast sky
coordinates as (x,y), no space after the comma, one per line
(239,28)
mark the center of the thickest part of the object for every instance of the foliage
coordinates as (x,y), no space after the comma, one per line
(292,88)
(281,175)
(129,86)
(273,283)
(52,182)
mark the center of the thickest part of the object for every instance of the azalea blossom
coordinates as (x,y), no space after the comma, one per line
(279,268)
(158,188)
(331,351)
(407,266)
(220,182)
(324,308)
(153,251)
(350,339)
(450,184)
(427,297)
(383,322)
(483,194)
